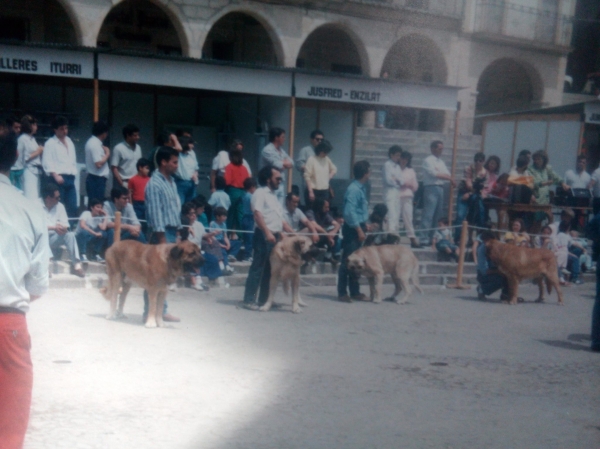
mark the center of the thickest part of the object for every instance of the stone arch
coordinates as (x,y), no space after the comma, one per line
(508,85)
(241,35)
(334,47)
(74,21)
(146,25)
(416,58)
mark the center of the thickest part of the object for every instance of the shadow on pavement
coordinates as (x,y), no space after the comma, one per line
(565,345)
(134,319)
(579,337)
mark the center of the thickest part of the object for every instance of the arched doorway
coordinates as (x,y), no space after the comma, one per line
(507,85)
(41,21)
(240,37)
(331,49)
(415,58)
(140,25)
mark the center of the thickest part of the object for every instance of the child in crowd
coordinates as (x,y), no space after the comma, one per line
(443,241)
(219,197)
(248,218)
(545,240)
(200,204)
(579,247)
(228,248)
(137,189)
(517,236)
(324,223)
(500,188)
(91,227)
(196,233)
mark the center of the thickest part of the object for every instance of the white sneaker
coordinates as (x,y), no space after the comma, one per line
(229,269)
(199,285)
(173,287)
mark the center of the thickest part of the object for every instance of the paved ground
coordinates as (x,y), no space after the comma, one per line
(445,371)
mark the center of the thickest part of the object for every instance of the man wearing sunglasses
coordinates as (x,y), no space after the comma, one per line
(316,137)
(269,219)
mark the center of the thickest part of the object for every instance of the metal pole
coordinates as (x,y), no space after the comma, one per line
(292,131)
(454,154)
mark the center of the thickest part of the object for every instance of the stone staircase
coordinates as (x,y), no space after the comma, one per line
(434,273)
(372,144)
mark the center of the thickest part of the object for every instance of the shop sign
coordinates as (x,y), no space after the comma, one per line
(45,61)
(592,112)
(374,91)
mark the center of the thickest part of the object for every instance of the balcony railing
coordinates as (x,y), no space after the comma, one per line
(446,8)
(532,24)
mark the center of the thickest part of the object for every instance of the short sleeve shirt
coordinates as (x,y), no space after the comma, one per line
(125,159)
(91,221)
(294,219)
(265,201)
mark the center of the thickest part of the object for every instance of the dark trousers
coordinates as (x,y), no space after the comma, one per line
(171,236)
(110,234)
(248,225)
(596,316)
(68,196)
(95,186)
(491,283)
(98,243)
(211,268)
(346,278)
(259,275)
(573,263)
(139,208)
(186,190)
(319,194)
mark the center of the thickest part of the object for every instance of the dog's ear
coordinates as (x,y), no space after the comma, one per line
(176,252)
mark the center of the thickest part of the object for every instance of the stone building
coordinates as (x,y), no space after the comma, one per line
(497,55)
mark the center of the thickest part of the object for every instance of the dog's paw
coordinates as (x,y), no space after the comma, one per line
(540,300)
(302,303)
(150,324)
(120,316)
(264,308)
(400,301)
(297,310)
(377,301)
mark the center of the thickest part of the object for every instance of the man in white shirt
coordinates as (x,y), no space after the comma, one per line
(392,181)
(435,174)
(578,178)
(268,216)
(316,137)
(60,164)
(274,154)
(24,255)
(59,232)
(96,162)
(125,156)
(131,228)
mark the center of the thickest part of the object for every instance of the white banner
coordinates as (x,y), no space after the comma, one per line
(194,75)
(46,61)
(375,91)
(592,112)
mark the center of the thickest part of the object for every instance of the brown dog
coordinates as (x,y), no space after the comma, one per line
(376,261)
(152,267)
(518,263)
(286,260)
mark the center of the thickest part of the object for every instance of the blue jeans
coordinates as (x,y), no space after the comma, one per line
(596,316)
(125,235)
(139,208)
(433,204)
(259,275)
(248,225)
(95,186)
(84,237)
(573,263)
(171,236)
(444,244)
(68,195)
(186,190)
(348,279)
(211,268)
(491,283)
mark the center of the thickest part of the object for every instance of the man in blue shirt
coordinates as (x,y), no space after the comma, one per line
(356,214)
(489,278)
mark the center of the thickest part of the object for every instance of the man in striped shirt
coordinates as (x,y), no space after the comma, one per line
(163,208)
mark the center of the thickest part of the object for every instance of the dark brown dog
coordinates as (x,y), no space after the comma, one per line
(152,267)
(518,263)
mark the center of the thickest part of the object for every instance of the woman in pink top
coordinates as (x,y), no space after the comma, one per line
(407,192)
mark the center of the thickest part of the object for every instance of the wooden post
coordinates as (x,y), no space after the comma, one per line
(117,226)
(464,236)
(292,133)
(454,154)
(96,90)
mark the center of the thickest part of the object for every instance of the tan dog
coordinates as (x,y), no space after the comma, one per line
(152,267)
(518,263)
(286,260)
(376,261)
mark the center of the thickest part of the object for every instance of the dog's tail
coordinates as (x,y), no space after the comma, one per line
(415,278)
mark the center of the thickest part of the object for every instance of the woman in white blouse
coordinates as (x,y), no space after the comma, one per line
(30,153)
(407,192)
(318,171)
